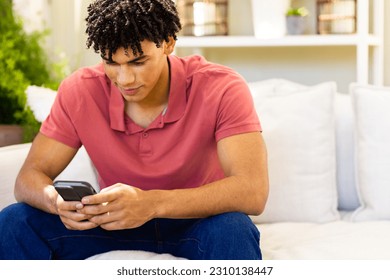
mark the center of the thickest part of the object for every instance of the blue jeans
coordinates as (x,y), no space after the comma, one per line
(29,233)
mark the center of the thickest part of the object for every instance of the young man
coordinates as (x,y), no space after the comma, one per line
(175,141)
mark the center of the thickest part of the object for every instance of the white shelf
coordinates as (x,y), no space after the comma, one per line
(368,45)
(286,41)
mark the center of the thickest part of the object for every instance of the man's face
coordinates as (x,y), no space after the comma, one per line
(140,78)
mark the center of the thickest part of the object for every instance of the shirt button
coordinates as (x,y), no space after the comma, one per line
(145,135)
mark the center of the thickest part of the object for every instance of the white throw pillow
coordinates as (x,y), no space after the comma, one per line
(11,160)
(372,113)
(345,153)
(299,131)
(40,100)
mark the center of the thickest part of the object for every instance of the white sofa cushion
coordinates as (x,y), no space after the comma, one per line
(299,131)
(133,255)
(11,160)
(372,114)
(338,240)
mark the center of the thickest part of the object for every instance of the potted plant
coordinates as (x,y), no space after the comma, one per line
(295,20)
(23,62)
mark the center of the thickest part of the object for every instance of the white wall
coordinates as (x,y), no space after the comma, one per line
(64,19)
(387,44)
(68,31)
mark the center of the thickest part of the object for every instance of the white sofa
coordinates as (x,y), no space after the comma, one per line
(329,167)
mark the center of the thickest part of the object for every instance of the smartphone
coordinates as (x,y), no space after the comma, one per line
(73,190)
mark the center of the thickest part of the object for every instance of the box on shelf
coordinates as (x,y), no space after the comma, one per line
(336,16)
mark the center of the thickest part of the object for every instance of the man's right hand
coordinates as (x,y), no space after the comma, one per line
(71,218)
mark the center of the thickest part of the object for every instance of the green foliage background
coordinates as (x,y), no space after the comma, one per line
(23,62)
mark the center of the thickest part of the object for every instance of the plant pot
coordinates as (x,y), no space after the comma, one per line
(10,135)
(295,25)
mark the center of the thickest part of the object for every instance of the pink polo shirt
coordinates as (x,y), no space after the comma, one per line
(207,102)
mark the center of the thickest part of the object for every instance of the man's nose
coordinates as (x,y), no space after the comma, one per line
(125,76)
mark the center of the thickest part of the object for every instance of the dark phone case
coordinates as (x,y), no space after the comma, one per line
(73,190)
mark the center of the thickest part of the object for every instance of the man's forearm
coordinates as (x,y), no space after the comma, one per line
(231,194)
(36,189)
(46,159)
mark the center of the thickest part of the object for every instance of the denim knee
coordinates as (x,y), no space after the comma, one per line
(16,213)
(18,239)
(231,236)
(231,225)
(12,213)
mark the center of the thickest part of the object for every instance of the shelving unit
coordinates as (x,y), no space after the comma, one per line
(367,41)
(287,41)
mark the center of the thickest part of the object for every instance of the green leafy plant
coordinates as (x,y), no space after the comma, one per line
(301,12)
(23,62)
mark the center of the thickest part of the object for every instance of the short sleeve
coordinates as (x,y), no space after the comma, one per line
(59,125)
(236,113)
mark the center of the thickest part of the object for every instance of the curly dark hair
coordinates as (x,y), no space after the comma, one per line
(112,24)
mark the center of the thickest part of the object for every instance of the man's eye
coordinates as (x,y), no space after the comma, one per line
(110,62)
(138,63)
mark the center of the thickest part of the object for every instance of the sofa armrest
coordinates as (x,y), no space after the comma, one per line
(11,160)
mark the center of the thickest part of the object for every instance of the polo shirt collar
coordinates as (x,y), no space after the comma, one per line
(177,100)
(116,109)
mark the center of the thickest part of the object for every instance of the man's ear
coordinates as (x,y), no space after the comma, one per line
(169,46)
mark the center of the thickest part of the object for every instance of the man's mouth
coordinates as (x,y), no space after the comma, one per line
(129,91)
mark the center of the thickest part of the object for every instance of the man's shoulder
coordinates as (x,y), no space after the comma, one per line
(84,76)
(196,68)
(198,64)
(89,72)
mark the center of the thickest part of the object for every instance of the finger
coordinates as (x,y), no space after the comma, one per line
(97,198)
(114,221)
(117,225)
(68,205)
(84,225)
(110,226)
(111,187)
(105,195)
(73,215)
(96,209)
(76,221)
(104,218)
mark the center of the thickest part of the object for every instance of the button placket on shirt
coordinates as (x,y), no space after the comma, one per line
(145,147)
